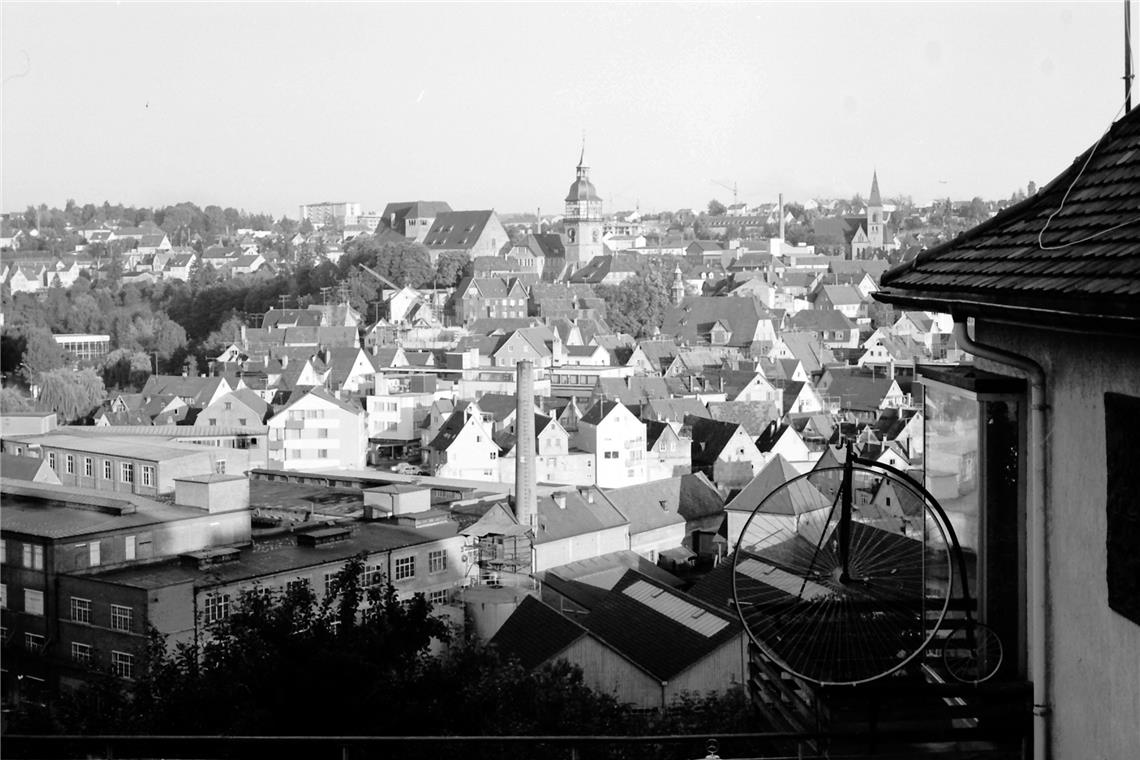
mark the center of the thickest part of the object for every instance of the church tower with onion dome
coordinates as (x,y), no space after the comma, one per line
(583,220)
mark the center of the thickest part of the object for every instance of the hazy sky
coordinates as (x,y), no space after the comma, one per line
(264,106)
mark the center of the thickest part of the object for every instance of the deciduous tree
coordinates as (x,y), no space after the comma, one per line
(71,394)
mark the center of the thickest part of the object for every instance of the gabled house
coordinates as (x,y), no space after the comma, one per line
(197,392)
(653,512)
(743,323)
(474,233)
(464,447)
(243,408)
(830,326)
(618,644)
(755,416)
(316,430)
(846,299)
(616,438)
(860,395)
(348,370)
(801,398)
(805,347)
(412,219)
(784,440)
(535,344)
(723,451)
(590,356)
(669,454)
(780,514)
(493,297)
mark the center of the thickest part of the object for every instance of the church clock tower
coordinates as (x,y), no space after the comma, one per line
(583,220)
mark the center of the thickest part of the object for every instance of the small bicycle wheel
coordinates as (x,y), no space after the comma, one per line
(843,600)
(972,652)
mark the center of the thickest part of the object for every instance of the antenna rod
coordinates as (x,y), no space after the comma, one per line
(1127,56)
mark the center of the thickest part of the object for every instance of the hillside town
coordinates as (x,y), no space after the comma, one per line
(562,447)
(404,436)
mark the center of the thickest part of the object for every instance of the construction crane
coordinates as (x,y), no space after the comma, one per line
(399,331)
(379,277)
(726,186)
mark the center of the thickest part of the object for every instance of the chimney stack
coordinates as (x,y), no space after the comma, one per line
(781,217)
(526,484)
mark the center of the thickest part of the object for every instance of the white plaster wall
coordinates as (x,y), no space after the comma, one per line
(1094,652)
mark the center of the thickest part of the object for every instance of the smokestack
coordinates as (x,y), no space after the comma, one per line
(526,484)
(781,217)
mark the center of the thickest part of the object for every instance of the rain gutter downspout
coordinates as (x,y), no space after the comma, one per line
(1038,578)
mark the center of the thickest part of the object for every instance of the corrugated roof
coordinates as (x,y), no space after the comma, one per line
(1071,250)
(659,633)
(661,601)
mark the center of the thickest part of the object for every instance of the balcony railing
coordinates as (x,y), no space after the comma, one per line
(893,743)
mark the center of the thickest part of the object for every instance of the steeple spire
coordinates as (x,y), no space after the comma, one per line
(875,200)
(582,157)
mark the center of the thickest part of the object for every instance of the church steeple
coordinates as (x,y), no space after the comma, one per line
(583,217)
(875,217)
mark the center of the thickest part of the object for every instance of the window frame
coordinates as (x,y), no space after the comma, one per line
(215,607)
(80,610)
(120,620)
(123,664)
(33,598)
(404,568)
(80,653)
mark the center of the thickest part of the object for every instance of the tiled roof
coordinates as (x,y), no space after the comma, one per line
(399,212)
(649,506)
(789,501)
(457,229)
(675,409)
(816,320)
(586,511)
(547,243)
(601,266)
(449,431)
(1072,250)
(710,437)
(753,415)
(535,633)
(857,391)
(20,467)
(581,594)
(599,412)
(741,314)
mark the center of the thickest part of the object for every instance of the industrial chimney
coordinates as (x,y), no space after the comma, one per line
(526,505)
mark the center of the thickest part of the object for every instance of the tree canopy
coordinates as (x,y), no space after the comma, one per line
(357,661)
(72,395)
(637,305)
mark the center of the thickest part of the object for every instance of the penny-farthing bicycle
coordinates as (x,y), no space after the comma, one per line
(844,575)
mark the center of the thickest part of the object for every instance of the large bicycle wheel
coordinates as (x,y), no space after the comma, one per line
(837,595)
